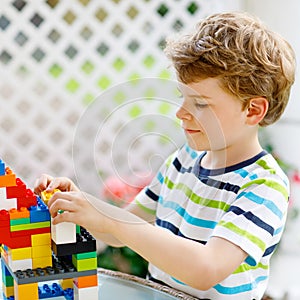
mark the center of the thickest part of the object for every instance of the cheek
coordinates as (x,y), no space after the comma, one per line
(216,128)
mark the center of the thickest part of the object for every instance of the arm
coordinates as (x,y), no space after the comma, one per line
(49,183)
(200,266)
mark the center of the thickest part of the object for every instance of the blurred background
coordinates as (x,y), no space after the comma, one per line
(58,57)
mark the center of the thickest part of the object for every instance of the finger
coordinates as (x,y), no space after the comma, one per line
(59,195)
(64,217)
(60,206)
(42,183)
(55,183)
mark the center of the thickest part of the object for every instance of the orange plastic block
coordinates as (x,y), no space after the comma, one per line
(23,212)
(9,179)
(86,281)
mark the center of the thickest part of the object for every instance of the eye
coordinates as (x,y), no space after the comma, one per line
(201,105)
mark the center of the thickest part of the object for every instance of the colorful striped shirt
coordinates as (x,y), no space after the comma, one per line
(245,204)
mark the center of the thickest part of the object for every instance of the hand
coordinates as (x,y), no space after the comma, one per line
(77,209)
(49,183)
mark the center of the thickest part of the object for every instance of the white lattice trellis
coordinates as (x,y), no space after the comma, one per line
(56,57)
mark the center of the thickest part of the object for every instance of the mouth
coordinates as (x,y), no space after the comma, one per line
(191,131)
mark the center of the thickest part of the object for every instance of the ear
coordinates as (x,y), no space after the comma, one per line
(256,110)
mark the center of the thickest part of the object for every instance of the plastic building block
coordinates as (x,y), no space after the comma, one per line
(39,212)
(30,232)
(21,264)
(2,167)
(41,262)
(86,281)
(17,191)
(3,196)
(90,293)
(8,203)
(85,264)
(20,253)
(41,239)
(30,199)
(9,179)
(84,243)
(30,226)
(67,283)
(27,251)
(46,196)
(8,291)
(61,269)
(4,219)
(50,291)
(26,291)
(41,251)
(68,293)
(23,212)
(63,233)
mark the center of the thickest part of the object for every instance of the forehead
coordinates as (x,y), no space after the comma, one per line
(205,88)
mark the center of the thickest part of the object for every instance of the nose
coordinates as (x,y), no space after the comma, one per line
(182,113)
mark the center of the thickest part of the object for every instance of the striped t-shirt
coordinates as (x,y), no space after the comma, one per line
(245,204)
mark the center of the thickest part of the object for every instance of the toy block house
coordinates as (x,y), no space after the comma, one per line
(39,260)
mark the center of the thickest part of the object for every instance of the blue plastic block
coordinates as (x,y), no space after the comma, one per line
(69,294)
(4,270)
(50,291)
(9,298)
(39,213)
(2,167)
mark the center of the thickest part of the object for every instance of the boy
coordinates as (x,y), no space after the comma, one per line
(212,217)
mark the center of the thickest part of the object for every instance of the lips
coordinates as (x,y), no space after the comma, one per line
(190,131)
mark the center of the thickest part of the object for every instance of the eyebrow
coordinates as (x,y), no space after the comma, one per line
(198,96)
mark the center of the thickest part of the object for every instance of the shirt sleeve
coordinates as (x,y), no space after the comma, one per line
(256,219)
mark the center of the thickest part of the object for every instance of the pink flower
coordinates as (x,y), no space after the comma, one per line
(121,192)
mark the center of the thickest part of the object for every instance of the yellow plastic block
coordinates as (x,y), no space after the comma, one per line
(41,239)
(41,251)
(66,283)
(26,291)
(8,291)
(42,262)
(20,253)
(46,196)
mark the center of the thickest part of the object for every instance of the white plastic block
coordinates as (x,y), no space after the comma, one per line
(8,203)
(90,293)
(63,233)
(20,264)
(2,194)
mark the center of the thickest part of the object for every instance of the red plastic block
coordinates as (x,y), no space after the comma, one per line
(4,219)
(29,200)
(30,232)
(14,242)
(17,191)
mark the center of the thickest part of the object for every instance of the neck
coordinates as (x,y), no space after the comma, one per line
(229,156)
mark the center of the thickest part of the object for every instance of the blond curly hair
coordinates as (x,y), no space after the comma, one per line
(249,59)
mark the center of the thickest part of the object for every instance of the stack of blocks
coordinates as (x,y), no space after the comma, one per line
(35,252)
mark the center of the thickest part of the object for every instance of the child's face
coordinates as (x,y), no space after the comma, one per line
(212,119)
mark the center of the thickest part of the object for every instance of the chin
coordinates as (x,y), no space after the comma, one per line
(197,147)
